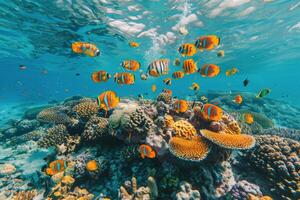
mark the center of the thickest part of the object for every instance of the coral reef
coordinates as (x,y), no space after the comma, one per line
(278,159)
(31,136)
(227,182)
(56,135)
(53,115)
(184,129)
(242,189)
(25,195)
(25,125)
(186,192)
(282,132)
(165,97)
(131,191)
(86,109)
(95,128)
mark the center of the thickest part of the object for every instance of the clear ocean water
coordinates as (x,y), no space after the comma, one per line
(261,38)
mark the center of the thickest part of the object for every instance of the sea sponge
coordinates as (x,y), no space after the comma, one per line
(53,115)
(165,97)
(25,195)
(95,128)
(195,149)
(86,109)
(169,121)
(229,141)
(278,158)
(184,129)
(56,135)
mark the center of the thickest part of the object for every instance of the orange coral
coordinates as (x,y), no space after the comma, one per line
(253,197)
(86,109)
(232,125)
(184,129)
(25,195)
(195,149)
(169,121)
(229,141)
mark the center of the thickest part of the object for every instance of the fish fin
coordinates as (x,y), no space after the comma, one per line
(219,40)
(152,154)
(142,156)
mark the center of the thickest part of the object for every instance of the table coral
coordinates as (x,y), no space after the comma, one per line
(279,159)
(95,128)
(133,192)
(229,141)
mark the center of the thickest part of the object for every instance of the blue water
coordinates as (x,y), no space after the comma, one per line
(260,38)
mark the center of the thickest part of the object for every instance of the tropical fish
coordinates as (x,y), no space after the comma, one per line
(168,81)
(22,67)
(143,76)
(178,75)
(221,53)
(146,151)
(211,112)
(195,87)
(91,166)
(248,118)
(131,65)
(100,76)
(177,62)
(209,70)
(183,30)
(238,99)
(263,93)
(167,91)
(153,88)
(124,78)
(158,67)
(189,66)
(204,99)
(246,82)
(108,100)
(134,44)
(187,49)
(85,48)
(180,106)
(207,42)
(232,71)
(56,167)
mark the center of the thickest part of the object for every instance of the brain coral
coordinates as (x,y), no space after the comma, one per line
(55,136)
(279,159)
(229,141)
(53,115)
(86,109)
(184,129)
(195,149)
(95,128)
(169,121)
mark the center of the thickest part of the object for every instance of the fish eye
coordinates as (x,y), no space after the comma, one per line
(97,53)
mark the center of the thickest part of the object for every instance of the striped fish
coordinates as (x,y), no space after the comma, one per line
(108,100)
(211,112)
(187,49)
(158,67)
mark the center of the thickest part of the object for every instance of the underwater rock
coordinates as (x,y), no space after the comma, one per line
(158,143)
(131,191)
(95,128)
(10,132)
(278,159)
(31,136)
(187,193)
(24,126)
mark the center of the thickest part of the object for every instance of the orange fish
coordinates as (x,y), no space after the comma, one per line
(168,81)
(153,88)
(134,44)
(180,106)
(167,91)
(232,71)
(100,76)
(178,74)
(189,66)
(187,49)
(124,78)
(207,42)
(56,167)
(238,99)
(211,112)
(146,151)
(158,67)
(108,100)
(248,118)
(209,70)
(131,65)
(85,48)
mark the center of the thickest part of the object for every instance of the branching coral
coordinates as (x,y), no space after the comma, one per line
(69,145)
(25,195)
(279,159)
(229,141)
(132,192)
(169,121)
(95,128)
(56,135)
(195,149)
(86,109)
(186,192)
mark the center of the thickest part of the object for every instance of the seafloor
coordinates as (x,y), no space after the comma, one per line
(228,159)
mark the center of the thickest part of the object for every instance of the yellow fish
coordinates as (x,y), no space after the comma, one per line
(153,88)
(134,44)
(195,87)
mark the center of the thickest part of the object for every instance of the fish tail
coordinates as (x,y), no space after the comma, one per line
(219,40)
